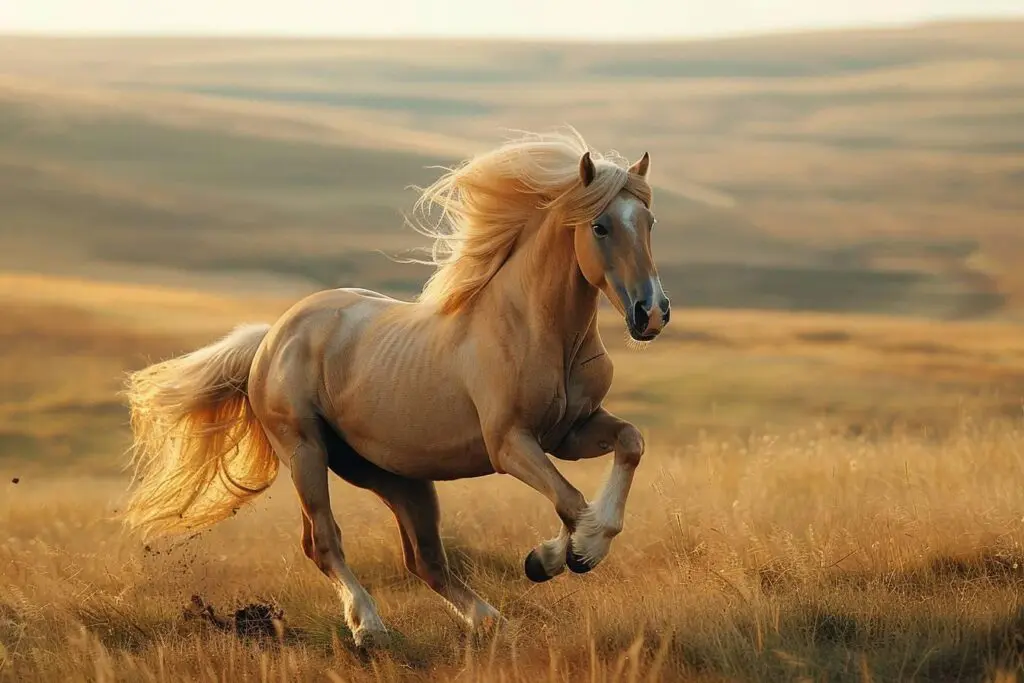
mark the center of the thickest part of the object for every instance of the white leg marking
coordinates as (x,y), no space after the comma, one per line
(480,616)
(552,552)
(602,520)
(468,606)
(360,611)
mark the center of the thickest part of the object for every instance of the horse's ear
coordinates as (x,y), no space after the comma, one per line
(587,169)
(642,166)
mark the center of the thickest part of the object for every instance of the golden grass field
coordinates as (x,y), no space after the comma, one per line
(824,497)
(800,556)
(833,488)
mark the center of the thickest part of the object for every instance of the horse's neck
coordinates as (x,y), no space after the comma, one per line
(558,303)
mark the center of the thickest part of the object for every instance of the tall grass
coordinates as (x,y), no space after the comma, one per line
(807,555)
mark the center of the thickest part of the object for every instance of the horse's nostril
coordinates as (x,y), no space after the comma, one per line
(666,311)
(640,316)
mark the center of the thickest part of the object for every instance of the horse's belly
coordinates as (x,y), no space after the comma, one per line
(399,403)
(419,448)
(424,461)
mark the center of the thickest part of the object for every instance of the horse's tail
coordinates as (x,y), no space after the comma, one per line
(199,452)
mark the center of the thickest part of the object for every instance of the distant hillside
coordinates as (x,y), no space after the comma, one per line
(871,171)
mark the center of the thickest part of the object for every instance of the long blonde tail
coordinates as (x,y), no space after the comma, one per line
(199,453)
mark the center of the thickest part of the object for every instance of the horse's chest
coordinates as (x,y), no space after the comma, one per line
(575,399)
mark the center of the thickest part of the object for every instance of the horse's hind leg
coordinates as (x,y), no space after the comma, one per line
(321,541)
(415,506)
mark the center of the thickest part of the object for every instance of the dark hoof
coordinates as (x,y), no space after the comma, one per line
(575,562)
(535,568)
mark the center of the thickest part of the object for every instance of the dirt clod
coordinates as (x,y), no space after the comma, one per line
(15,480)
(255,620)
(259,620)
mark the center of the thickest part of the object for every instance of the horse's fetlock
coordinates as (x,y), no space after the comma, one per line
(612,530)
(429,572)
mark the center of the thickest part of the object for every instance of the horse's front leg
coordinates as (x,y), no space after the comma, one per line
(519,453)
(600,434)
(588,529)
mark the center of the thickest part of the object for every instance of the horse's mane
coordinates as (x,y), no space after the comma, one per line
(488,200)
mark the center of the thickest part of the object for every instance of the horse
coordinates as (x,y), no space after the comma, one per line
(495,365)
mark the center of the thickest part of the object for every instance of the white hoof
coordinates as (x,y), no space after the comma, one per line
(371,635)
(485,619)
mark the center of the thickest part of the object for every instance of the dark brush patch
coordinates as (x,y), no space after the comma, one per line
(259,620)
(255,620)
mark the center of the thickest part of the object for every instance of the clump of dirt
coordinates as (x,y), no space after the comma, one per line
(259,620)
(255,620)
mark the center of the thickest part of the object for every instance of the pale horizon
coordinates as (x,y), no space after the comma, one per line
(526,19)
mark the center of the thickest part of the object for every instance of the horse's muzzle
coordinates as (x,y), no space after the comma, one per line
(648,317)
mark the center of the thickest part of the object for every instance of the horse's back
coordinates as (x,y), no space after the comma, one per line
(319,314)
(288,367)
(381,372)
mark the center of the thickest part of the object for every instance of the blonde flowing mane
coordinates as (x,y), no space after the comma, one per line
(488,200)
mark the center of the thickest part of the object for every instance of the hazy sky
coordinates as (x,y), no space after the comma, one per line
(531,18)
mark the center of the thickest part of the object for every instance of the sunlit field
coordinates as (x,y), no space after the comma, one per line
(833,487)
(802,554)
(830,498)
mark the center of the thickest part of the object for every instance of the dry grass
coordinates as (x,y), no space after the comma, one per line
(805,555)
(774,532)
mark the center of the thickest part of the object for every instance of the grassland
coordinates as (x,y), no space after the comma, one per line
(833,484)
(824,497)
(800,556)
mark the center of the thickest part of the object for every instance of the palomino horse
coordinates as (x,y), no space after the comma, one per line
(497,364)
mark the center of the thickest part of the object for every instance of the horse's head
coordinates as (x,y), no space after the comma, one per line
(614,255)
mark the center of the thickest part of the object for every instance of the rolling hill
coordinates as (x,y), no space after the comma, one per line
(863,171)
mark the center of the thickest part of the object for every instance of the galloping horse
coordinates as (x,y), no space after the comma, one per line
(497,364)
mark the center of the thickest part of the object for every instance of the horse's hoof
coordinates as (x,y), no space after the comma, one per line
(534,568)
(576,563)
(491,624)
(370,638)
(483,618)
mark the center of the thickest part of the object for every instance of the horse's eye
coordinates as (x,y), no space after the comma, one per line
(600,230)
